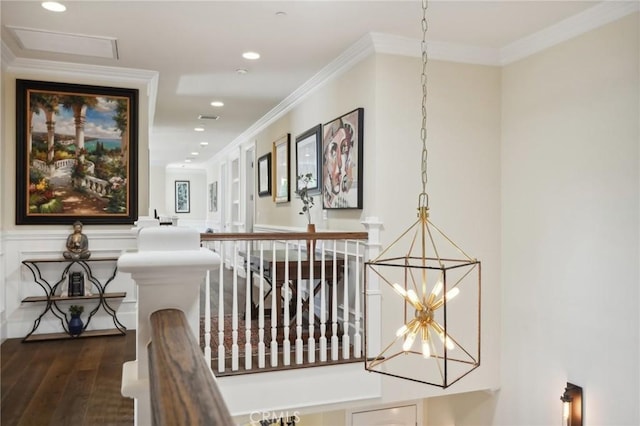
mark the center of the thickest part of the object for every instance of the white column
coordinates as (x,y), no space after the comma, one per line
(373,294)
(168,268)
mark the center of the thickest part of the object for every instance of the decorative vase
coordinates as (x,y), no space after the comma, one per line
(75,325)
(311,229)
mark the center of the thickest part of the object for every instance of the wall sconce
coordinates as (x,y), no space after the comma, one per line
(572,405)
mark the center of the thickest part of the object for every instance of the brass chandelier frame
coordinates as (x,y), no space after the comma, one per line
(431,277)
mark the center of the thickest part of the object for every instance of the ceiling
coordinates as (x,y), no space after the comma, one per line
(196,47)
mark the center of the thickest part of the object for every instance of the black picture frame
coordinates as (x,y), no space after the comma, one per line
(76,154)
(264,175)
(308,149)
(182,196)
(281,168)
(342,149)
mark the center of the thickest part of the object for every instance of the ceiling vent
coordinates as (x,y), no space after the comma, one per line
(208,117)
(74,44)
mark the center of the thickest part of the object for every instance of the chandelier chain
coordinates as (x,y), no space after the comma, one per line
(424,200)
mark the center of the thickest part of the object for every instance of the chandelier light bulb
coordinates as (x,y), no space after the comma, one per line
(437,288)
(452,293)
(426,351)
(402,330)
(413,298)
(408,342)
(398,288)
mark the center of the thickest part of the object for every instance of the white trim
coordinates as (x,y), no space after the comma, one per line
(594,17)
(6,57)
(452,52)
(68,69)
(57,234)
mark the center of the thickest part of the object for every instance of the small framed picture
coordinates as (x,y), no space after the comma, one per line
(264,175)
(342,161)
(308,146)
(183,204)
(281,172)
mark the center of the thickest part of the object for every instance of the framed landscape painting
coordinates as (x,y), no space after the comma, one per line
(76,154)
(342,161)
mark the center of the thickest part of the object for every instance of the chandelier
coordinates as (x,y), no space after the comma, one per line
(437,288)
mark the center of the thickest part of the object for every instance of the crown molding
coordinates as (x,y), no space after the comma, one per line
(345,61)
(437,50)
(592,18)
(6,57)
(37,67)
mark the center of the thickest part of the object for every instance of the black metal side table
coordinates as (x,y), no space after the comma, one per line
(53,294)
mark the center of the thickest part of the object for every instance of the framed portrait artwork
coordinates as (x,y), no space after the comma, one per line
(342,142)
(281,169)
(264,175)
(182,196)
(308,158)
(76,154)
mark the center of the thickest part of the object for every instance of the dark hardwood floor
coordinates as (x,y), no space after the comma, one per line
(65,382)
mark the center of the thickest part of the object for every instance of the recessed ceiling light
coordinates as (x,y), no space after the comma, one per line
(252,56)
(199,129)
(217,104)
(54,6)
(204,143)
(242,71)
(188,160)
(281,13)
(195,154)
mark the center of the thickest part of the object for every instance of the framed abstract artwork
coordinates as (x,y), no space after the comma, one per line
(182,196)
(281,194)
(76,154)
(264,175)
(342,161)
(308,147)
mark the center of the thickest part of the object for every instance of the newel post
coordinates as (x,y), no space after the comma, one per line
(373,294)
(168,269)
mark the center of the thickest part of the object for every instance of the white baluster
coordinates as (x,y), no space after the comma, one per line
(221,330)
(311,341)
(207,318)
(334,305)
(286,345)
(345,310)
(323,307)
(357,337)
(235,350)
(274,308)
(299,309)
(248,348)
(261,348)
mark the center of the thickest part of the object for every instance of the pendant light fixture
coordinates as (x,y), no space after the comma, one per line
(436,320)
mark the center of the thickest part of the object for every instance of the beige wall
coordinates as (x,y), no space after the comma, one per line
(570,229)
(349,91)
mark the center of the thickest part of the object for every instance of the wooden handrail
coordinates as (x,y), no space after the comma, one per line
(251,236)
(183,389)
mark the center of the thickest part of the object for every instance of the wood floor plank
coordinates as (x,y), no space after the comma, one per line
(66,382)
(72,407)
(50,390)
(15,402)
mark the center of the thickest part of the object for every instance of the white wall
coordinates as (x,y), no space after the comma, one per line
(570,229)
